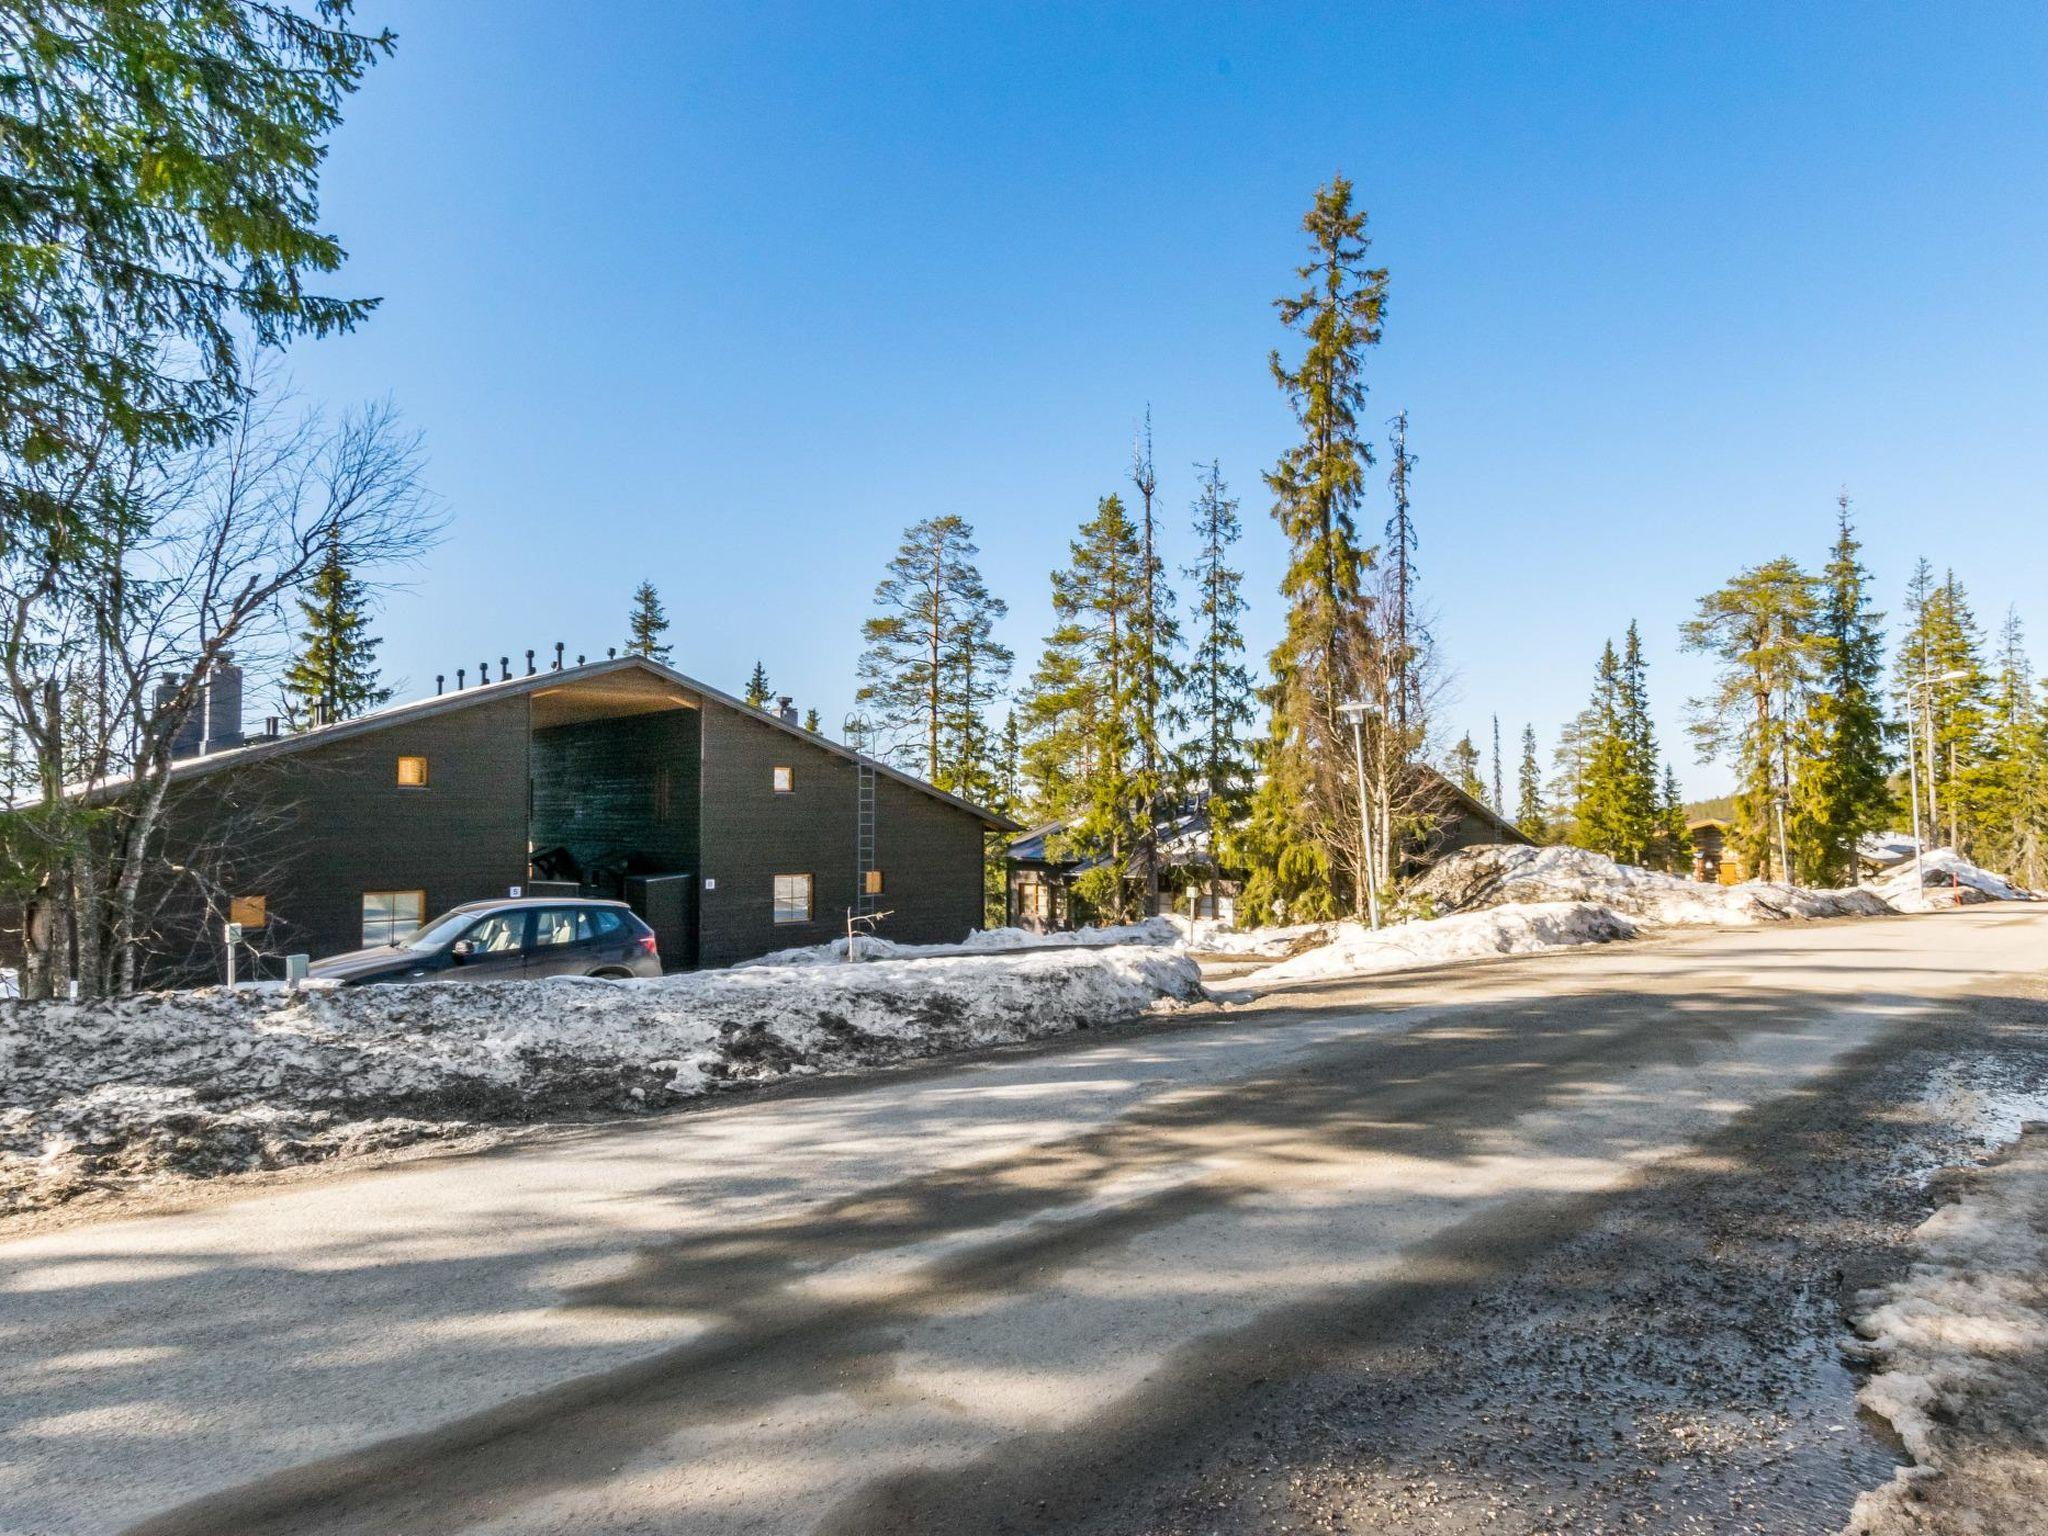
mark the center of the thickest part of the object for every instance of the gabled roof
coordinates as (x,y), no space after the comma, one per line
(264,748)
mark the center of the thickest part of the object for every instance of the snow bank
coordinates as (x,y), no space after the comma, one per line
(1208,937)
(1943,872)
(983,941)
(1960,1346)
(1518,930)
(1511,900)
(1497,874)
(199,1083)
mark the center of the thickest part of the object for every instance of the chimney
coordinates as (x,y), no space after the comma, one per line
(190,731)
(785,706)
(223,706)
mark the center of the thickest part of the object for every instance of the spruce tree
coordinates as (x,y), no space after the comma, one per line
(1672,846)
(1219,686)
(1009,796)
(1081,708)
(811,721)
(2005,794)
(932,666)
(1155,639)
(1402,621)
(1499,801)
(1464,768)
(1531,819)
(1638,799)
(1842,789)
(1600,816)
(1760,628)
(647,624)
(758,693)
(1300,842)
(334,676)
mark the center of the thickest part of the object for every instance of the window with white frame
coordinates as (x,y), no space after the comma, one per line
(784,779)
(792,898)
(389,916)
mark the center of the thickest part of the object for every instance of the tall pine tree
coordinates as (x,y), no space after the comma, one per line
(1760,628)
(932,666)
(1842,787)
(1301,843)
(758,693)
(647,624)
(334,676)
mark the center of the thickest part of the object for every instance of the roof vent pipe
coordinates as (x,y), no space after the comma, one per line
(460,674)
(529,663)
(558,655)
(440,682)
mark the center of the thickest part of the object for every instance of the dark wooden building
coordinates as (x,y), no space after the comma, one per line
(734,830)
(1040,873)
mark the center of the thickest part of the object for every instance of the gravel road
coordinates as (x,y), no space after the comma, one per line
(1560,1243)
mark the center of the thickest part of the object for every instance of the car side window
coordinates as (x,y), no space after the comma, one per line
(554,925)
(500,934)
(597,923)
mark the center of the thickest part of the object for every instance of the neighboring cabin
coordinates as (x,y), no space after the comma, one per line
(1040,873)
(733,830)
(1713,860)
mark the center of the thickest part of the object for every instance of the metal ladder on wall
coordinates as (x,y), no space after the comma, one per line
(864,901)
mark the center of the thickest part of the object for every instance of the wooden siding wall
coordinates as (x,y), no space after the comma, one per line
(929,852)
(329,823)
(620,791)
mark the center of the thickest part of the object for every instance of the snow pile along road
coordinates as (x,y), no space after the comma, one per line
(1519,930)
(1499,874)
(983,941)
(1946,879)
(1208,937)
(1961,1350)
(1510,900)
(97,1095)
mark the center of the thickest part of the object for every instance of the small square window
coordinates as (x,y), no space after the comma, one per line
(785,778)
(871,882)
(412,773)
(792,898)
(249,911)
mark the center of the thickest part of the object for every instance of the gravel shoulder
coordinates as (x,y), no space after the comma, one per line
(1683,1362)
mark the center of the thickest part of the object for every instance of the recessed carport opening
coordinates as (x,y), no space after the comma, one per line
(614,807)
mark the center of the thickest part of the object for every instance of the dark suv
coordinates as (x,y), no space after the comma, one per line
(508,940)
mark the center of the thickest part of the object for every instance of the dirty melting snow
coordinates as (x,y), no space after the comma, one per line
(983,941)
(1959,1347)
(96,1095)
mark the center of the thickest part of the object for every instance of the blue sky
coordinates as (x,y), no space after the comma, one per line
(725,296)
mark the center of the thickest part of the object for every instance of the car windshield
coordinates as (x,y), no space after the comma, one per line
(441,932)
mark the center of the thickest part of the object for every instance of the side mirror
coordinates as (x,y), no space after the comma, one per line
(462,949)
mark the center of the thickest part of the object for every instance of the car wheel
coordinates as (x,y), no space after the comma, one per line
(611,973)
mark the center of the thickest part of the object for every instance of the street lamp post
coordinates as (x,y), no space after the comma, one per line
(1355,712)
